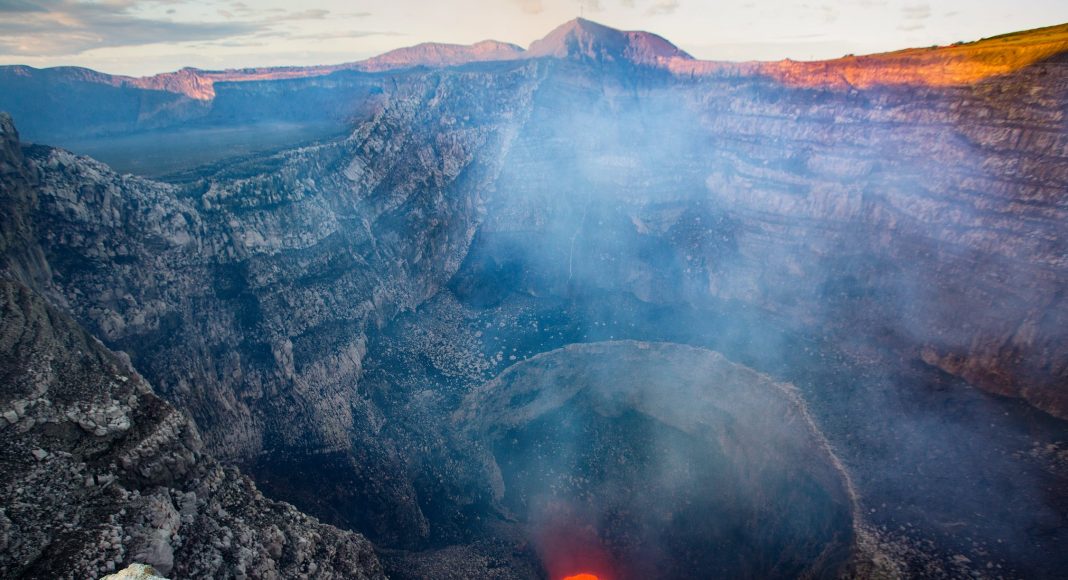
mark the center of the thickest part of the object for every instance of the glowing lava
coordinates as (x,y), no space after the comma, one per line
(581,577)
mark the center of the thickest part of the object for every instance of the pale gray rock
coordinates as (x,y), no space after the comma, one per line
(136,572)
(80,504)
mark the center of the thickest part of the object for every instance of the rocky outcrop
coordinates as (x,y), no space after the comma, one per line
(247,303)
(135,572)
(961,64)
(101,473)
(17,197)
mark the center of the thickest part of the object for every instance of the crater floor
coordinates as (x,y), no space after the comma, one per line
(639,460)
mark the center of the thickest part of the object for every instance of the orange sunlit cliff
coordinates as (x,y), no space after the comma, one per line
(958,64)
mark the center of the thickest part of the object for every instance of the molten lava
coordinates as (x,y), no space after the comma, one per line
(581,577)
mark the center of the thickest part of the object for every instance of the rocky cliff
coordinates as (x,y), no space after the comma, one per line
(922,219)
(99,473)
(961,63)
(203,290)
(932,217)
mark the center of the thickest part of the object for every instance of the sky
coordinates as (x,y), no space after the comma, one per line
(141,37)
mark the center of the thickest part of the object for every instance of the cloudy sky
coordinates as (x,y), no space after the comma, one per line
(148,36)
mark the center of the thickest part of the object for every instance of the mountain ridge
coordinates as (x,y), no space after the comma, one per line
(588,41)
(585,40)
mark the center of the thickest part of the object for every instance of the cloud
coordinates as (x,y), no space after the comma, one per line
(343,34)
(530,6)
(310,14)
(920,11)
(914,16)
(830,13)
(664,7)
(591,5)
(9,6)
(71,27)
(66,27)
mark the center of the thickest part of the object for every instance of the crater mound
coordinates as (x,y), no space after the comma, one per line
(637,460)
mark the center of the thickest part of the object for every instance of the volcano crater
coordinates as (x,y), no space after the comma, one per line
(631,459)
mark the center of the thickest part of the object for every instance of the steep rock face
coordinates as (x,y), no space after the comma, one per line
(247,303)
(17,183)
(76,101)
(960,64)
(932,218)
(961,217)
(187,81)
(100,473)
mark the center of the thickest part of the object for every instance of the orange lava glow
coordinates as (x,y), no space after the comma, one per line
(581,577)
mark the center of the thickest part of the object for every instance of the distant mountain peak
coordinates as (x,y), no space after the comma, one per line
(586,40)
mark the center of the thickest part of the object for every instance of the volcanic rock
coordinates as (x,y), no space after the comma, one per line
(79,504)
